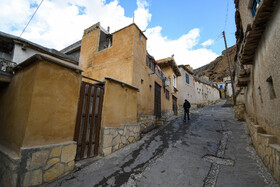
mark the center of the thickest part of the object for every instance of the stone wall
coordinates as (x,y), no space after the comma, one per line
(167,114)
(38,165)
(114,138)
(146,121)
(9,166)
(266,147)
(239,111)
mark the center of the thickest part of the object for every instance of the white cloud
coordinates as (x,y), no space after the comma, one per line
(142,17)
(161,47)
(59,23)
(208,43)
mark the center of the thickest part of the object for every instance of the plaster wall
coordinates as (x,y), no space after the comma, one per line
(229,89)
(20,55)
(167,105)
(119,105)
(142,76)
(52,114)
(186,91)
(198,92)
(245,13)
(40,106)
(115,61)
(205,93)
(125,61)
(15,102)
(267,64)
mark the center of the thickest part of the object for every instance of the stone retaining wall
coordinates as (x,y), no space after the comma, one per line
(167,114)
(146,121)
(116,138)
(38,165)
(9,166)
(266,147)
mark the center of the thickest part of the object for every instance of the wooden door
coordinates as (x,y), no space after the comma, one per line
(157,106)
(174,105)
(88,120)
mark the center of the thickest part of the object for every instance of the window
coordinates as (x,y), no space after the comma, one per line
(271,88)
(255,4)
(187,79)
(174,81)
(167,94)
(140,36)
(105,40)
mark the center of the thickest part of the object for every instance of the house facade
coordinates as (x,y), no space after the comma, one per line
(171,70)
(37,118)
(121,56)
(257,75)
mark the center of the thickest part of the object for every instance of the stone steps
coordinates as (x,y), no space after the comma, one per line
(266,146)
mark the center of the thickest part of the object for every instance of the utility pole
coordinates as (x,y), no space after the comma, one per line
(229,64)
(133,17)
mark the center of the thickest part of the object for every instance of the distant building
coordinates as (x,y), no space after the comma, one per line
(198,91)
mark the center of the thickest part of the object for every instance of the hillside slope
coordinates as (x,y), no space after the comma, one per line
(218,69)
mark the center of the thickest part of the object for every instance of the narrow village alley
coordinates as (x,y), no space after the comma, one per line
(212,149)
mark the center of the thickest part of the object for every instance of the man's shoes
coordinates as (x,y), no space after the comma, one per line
(184,120)
(189,119)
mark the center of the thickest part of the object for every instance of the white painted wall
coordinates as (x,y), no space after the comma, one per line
(21,55)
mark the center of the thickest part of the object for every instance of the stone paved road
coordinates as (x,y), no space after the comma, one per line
(212,149)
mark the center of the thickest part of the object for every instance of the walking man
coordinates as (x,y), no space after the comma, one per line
(186,107)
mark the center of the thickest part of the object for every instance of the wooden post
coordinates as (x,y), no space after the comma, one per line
(229,64)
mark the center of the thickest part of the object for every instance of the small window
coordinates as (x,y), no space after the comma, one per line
(167,94)
(255,4)
(271,88)
(187,79)
(140,36)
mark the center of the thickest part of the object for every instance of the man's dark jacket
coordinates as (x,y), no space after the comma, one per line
(187,105)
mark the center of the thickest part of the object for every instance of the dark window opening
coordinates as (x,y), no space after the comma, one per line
(167,94)
(260,94)
(105,40)
(142,81)
(255,4)
(271,88)
(150,63)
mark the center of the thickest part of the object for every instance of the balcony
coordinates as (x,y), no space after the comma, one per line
(244,73)
(6,70)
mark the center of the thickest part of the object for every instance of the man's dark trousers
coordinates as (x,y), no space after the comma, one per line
(186,111)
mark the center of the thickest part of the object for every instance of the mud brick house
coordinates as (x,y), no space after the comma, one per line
(137,98)
(39,92)
(258,75)
(171,70)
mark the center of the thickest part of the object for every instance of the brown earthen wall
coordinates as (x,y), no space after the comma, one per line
(15,102)
(40,106)
(119,106)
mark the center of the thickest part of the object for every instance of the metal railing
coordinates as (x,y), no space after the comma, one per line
(7,65)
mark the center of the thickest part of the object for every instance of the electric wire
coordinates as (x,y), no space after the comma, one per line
(30,19)
(226,17)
